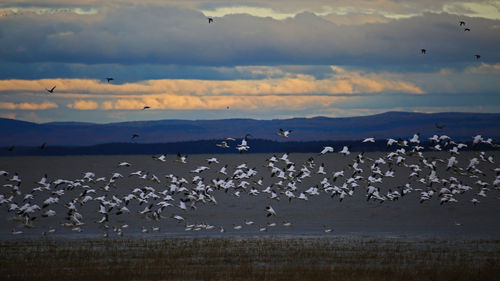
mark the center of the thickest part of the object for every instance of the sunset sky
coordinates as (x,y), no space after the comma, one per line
(259,59)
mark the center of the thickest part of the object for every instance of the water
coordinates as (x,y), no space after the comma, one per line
(405,218)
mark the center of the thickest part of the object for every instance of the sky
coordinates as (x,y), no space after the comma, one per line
(258,59)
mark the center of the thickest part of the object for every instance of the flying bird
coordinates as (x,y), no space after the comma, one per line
(110,79)
(51,90)
(210,20)
(477,56)
(146,107)
(423,51)
(462,23)
(270,211)
(326,149)
(440,127)
(466,29)
(43,145)
(283,133)
(135,136)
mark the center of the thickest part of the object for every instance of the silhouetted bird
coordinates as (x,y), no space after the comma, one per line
(210,20)
(440,127)
(477,56)
(423,51)
(146,107)
(135,136)
(110,79)
(466,29)
(11,148)
(462,23)
(43,145)
(51,90)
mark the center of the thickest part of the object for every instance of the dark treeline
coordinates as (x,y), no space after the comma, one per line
(209,147)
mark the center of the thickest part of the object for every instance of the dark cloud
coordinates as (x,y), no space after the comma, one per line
(160,35)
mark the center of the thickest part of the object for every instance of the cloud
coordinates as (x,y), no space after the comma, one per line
(247,103)
(129,35)
(28,106)
(483,68)
(84,105)
(340,82)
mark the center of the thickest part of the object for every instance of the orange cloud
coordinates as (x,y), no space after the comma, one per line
(342,82)
(28,106)
(84,105)
(173,102)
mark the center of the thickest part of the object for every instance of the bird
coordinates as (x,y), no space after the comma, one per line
(11,148)
(440,127)
(466,29)
(210,20)
(181,158)
(477,56)
(223,144)
(462,23)
(283,133)
(327,230)
(243,146)
(270,211)
(345,150)
(326,149)
(110,79)
(146,107)
(423,51)
(134,136)
(51,90)
(43,145)
(369,140)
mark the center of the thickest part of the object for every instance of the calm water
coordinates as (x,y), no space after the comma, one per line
(354,216)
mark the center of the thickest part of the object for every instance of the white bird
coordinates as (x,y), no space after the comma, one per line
(326,149)
(327,230)
(369,140)
(270,211)
(345,150)
(223,144)
(124,164)
(161,158)
(212,160)
(283,133)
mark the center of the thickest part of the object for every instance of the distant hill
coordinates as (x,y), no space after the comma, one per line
(460,126)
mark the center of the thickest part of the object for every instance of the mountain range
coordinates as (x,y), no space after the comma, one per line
(459,126)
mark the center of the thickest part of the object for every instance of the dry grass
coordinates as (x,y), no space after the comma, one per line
(248,259)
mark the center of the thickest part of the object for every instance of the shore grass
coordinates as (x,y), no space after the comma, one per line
(249,259)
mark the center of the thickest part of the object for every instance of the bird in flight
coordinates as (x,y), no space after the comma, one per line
(51,90)
(462,23)
(466,29)
(135,136)
(423,51)
(477,56)
(110,79)
(146,107)
(210,20)
(440,127)
(43,145)
(283,133)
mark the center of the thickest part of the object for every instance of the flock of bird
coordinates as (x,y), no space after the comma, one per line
(465,29)
(173,196)
(156,198)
